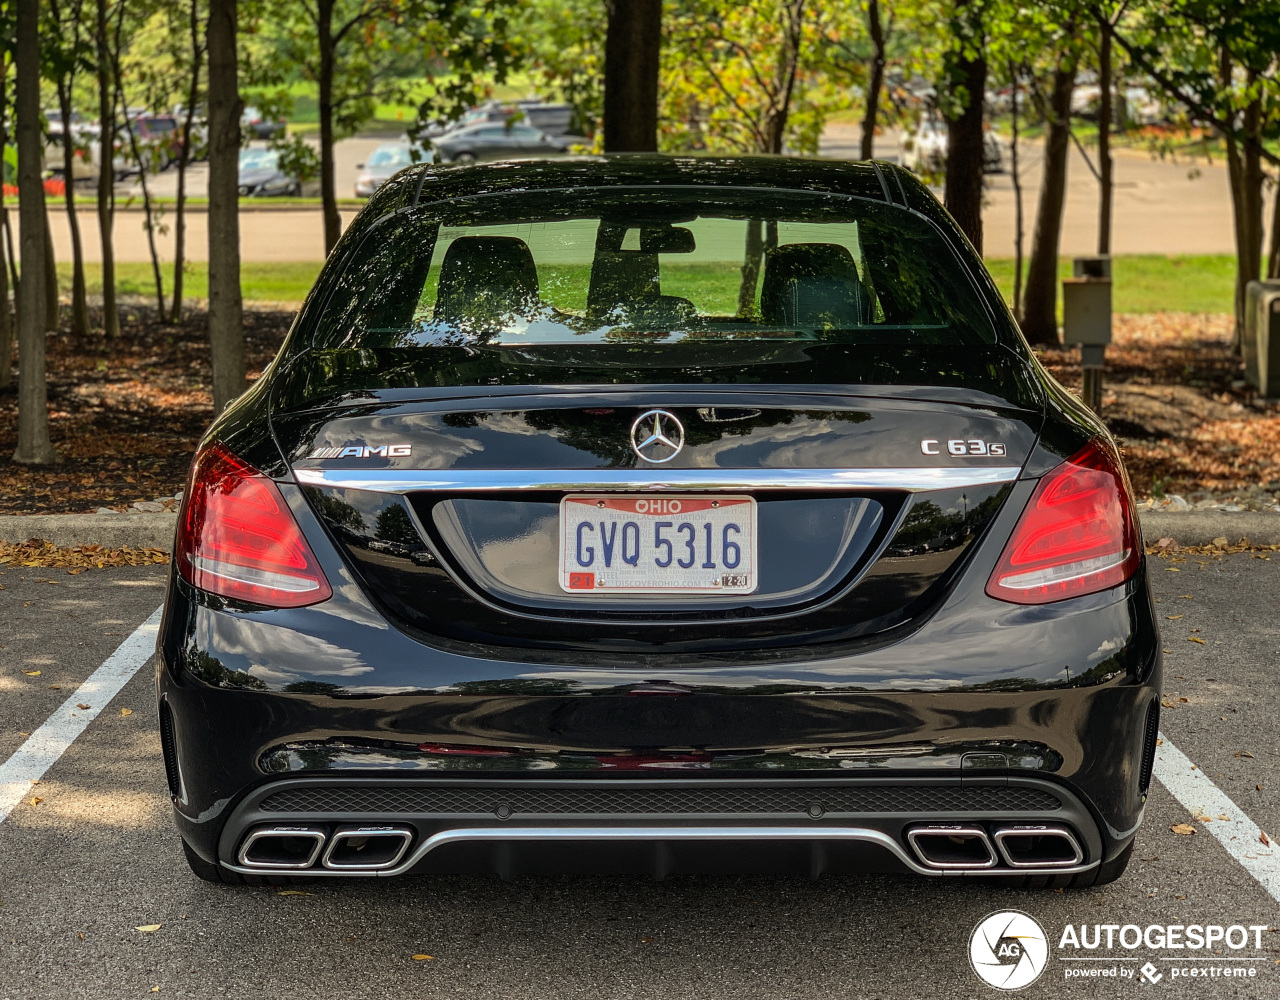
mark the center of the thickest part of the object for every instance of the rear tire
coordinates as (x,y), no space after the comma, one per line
(1103,874)
(218,875)
(465,158)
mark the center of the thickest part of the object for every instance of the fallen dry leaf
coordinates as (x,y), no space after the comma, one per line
(1173,618)
(1183,829)
(1184,701)
(292,892)
(126,711)
(1242,753)
(1224,817)
(148,928)
(32,673)
(1263,837)
(1159,743)
(1195,638)
(36,802)
(424,958)
(82,706)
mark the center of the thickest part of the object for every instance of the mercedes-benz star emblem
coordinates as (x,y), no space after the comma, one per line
(657,436)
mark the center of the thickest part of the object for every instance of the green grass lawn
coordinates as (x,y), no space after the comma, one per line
(1146,283)
(260,282)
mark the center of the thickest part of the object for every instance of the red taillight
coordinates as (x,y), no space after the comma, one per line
(237,537)
(1076,536)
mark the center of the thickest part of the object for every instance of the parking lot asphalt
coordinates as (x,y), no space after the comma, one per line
(96,858)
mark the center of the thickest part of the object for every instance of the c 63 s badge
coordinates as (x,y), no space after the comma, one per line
(960,446)
(364,451)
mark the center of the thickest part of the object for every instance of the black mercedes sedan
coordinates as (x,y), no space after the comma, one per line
(658,514)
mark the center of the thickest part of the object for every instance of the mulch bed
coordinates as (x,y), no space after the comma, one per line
(125,416)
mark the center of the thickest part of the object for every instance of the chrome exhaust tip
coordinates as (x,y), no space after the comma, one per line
(1038,845)
(282,847)
(958,846)
(367,847)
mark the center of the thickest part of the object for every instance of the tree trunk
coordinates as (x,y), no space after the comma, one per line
(1017,198)
(631,48)
(967,81)
(184,158)
(51,307)
(6,317)
(34,446)
(784,79)
(1244,170)
(875,81)
(6,250)
(79,307)
(1105,184)
(106,174)
(1040,306)
(1273,265)
(328,179)
(148,221)
(226,326)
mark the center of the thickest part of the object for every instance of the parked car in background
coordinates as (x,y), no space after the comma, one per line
(255,125)
(924,150)
(262,177)
(385,161)
(495,141)
(159,139)
(553,119)
(84,134)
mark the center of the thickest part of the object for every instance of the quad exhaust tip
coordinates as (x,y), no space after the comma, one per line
(1038,845)
(366,847)
(283,847)
(959,846)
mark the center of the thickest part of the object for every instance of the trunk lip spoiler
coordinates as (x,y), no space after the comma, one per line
(910,480)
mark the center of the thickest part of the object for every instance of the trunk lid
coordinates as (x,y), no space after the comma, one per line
(448,503)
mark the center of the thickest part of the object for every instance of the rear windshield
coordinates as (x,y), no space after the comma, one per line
(670,269)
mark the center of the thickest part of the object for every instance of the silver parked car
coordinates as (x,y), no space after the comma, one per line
(385,161)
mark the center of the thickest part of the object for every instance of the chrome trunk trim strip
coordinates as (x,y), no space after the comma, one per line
(577,480)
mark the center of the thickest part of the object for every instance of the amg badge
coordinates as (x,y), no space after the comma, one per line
(364,451)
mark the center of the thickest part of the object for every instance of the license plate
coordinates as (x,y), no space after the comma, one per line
(657,545)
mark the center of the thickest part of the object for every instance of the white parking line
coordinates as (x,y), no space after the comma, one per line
(1240,835)
(43,747)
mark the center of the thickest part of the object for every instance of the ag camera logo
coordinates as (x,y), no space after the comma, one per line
(1008,950)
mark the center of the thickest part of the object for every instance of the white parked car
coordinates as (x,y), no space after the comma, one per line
(924,150)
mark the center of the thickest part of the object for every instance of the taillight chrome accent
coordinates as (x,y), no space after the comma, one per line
(237,537)
(1077,535)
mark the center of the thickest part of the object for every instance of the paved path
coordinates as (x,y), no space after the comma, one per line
(97,858)
(1160,207)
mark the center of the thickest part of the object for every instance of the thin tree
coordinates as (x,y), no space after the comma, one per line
(34,446)
(1039,310)
(106,166)
(631,57)
(967,81)
(878,32)
(70,30)
(6,245)
(1015,177)
(226,319)
(144,164)
(184,158)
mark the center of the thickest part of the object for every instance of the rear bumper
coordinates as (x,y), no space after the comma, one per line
(664,826)
(248,709)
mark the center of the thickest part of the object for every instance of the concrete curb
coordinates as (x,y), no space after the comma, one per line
(1200,527)
(155,531)
(140,531)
